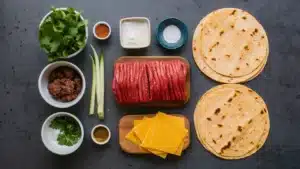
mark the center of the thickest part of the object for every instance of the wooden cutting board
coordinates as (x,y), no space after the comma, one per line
(126,124)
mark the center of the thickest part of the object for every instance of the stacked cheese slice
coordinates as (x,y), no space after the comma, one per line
(161,135)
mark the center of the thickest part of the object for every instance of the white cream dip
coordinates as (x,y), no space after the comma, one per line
(135,33)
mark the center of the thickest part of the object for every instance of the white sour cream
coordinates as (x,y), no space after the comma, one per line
(135,33)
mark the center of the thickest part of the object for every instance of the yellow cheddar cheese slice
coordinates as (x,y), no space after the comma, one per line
(173,120)
(180,148)
(166,134)
(137,122)
(131,136)
(141,127)
(181,123)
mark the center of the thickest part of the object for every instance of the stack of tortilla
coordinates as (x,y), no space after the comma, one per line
(230,46)
(231,121)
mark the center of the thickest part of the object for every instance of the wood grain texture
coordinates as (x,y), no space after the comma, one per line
(162,103)
(126,124)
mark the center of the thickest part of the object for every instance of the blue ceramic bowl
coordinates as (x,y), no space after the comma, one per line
(171,21)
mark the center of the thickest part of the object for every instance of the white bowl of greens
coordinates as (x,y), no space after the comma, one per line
(63,33)
(62,133)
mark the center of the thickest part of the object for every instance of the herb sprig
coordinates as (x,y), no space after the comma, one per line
(70,131)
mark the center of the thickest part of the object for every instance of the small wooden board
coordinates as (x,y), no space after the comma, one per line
(126,124)
(163,103)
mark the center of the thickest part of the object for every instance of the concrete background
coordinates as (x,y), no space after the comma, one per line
(22,110)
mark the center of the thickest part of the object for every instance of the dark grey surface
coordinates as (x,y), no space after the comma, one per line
(22,110)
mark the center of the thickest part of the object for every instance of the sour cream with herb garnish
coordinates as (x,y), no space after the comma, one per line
(62,133)
(67,130)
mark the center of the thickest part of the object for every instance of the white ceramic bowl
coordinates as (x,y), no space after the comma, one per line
(86,32)
(49,136)
(135,45)
(44,80)
(94,139)
(101,23)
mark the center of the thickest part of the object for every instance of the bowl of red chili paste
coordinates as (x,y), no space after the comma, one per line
(61,84)
(101,30)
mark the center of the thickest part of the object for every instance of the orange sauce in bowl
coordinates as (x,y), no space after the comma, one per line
(102,30)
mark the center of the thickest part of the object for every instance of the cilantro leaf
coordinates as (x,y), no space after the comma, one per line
(45,40)
(54,45)
(73,31)
(59,27)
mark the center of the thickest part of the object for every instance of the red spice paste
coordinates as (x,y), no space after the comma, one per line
(102,31)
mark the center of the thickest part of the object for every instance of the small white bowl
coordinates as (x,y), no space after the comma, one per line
(147,34)
(94,139)
(49,136)
(86,32)
(44,80)
(101,23)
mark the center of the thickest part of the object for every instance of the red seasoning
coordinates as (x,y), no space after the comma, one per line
(102,30)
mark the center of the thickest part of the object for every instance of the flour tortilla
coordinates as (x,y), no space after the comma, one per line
(217,132)
(199,59)
(231,51)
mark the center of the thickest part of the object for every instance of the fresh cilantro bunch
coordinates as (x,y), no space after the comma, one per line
(70,131)
(62,33)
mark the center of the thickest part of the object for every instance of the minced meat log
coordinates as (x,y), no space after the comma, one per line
(150,81)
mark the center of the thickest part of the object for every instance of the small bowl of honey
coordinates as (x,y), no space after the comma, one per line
(100,134)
